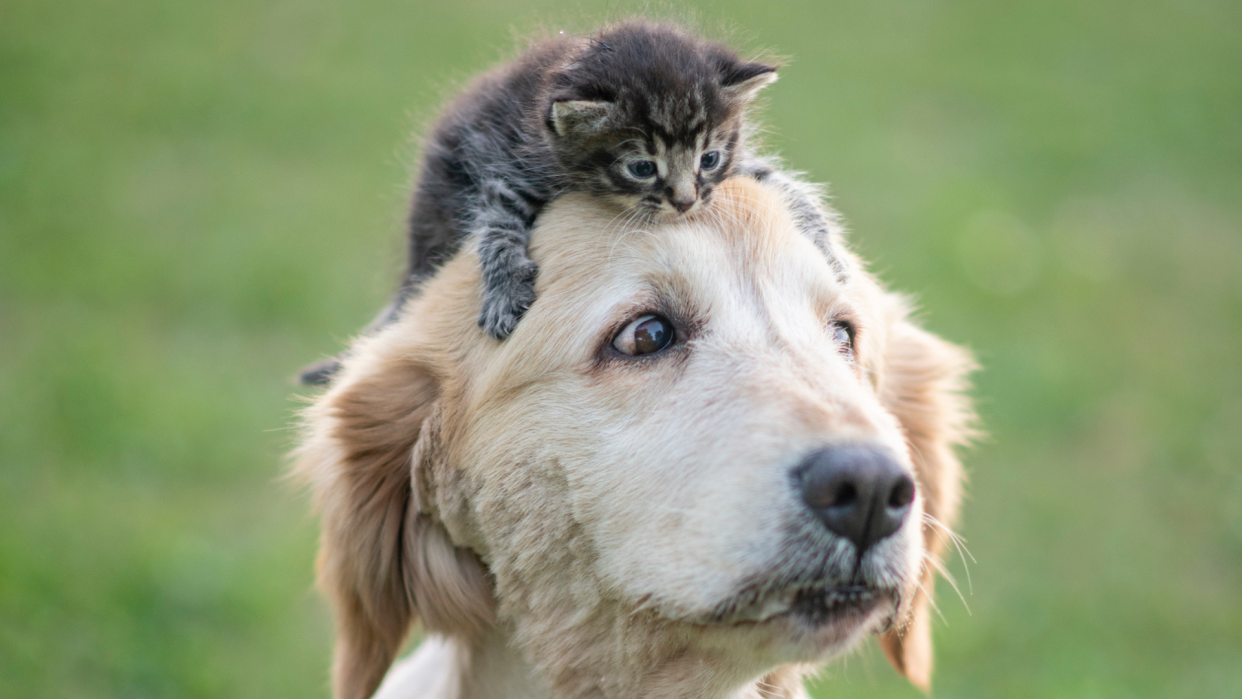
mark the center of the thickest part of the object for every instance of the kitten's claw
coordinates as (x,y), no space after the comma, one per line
(503,308)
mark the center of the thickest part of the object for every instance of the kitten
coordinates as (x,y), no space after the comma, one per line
(643,115)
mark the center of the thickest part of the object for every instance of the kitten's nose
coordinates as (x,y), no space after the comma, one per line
(683,195)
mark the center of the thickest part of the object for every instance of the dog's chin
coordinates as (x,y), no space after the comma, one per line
(815,624)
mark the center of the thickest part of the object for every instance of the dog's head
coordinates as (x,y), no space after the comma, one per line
(701,448)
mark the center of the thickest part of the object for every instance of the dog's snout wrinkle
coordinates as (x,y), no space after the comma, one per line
(858,492)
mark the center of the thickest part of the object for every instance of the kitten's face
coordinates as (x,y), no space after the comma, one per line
(649,118)
(658,162)
(666,178)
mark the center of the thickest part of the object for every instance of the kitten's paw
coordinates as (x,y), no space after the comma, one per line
(504,307)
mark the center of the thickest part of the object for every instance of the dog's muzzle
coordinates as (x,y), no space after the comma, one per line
(858,492)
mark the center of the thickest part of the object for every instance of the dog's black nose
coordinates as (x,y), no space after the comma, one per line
(858,492)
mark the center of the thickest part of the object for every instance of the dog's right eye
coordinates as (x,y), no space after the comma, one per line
(646,335)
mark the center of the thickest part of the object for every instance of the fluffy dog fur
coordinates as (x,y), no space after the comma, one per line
(570,522)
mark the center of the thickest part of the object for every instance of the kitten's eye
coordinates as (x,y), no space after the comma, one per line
(642,169)
(843,334)
(710,160)
(646,335)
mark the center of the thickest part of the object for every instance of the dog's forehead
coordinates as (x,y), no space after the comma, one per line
(743,271)
(746,245)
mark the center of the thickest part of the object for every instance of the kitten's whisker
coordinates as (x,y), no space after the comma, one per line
(631,214)
(609,226)
(725,216)
(615,229)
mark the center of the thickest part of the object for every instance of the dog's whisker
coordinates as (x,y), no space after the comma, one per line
(959,543)
(931,519)
(931,601)
(940,567)
(970,585)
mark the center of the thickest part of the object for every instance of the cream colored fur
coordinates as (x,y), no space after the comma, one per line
(569,522)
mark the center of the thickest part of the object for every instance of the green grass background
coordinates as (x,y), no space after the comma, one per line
(198,198)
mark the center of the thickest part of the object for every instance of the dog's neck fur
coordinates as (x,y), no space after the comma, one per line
(445,668)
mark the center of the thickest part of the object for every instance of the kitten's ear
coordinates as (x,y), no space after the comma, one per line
(742,81)
(579,116)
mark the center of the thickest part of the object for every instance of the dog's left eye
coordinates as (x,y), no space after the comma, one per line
(843,333)
(648,334)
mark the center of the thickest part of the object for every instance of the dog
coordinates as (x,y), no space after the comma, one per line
(702,465)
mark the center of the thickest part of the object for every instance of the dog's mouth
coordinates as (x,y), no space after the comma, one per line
(817,606)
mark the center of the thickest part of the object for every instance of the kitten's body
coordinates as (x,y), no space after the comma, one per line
(633,114)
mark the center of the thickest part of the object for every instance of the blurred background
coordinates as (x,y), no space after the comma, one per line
(196,199)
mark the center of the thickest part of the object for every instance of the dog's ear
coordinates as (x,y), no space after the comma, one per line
(924,386)
(383,560)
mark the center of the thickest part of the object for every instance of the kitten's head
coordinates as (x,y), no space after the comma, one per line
(651,117)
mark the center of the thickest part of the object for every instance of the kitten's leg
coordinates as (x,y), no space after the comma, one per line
(803,200)
(503,227)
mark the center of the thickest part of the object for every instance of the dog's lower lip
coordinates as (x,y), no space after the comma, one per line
(817,606)
(833,604)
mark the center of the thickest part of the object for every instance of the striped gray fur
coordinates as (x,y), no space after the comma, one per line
(590,114)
